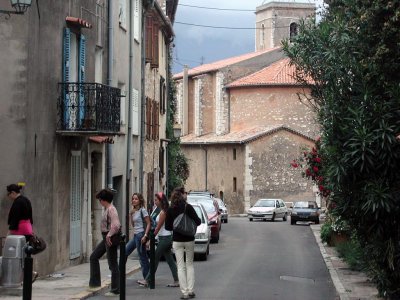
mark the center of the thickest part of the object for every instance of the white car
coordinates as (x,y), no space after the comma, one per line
(203,233)
(268,209)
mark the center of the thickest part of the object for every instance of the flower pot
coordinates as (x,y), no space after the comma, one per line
(338,238)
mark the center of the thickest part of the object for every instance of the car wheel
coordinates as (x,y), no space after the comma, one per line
(208,250)
(226,220)
(251,219)
(317,221)
(273,217)
(284,217)
(292,222)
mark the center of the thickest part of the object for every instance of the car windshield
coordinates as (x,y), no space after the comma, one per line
(207,204)
(305,204)
(265,203)
(199,213)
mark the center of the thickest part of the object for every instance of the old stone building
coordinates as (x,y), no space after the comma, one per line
(242,124)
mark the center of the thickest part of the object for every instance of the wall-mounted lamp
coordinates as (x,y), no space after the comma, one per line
(177,130)
(20,7)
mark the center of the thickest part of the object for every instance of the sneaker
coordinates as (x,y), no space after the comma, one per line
(94,288)
(185,297)
(142,283)
(110,294)
(192,295)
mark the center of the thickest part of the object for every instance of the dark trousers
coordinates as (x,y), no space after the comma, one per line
(112,258)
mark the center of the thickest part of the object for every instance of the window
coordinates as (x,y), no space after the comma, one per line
(148,118)
(152,119)
(234,153)
(294,30)
(262,36)
(136,20)
(162,96)
(122,14)
(152,41)
(234,184)
(73,65)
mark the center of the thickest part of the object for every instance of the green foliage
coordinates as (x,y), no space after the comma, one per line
(326,232)
(351,56)
(353,254)
(178,167)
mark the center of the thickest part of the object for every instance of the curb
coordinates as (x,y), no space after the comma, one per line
(334,275)
(105,285)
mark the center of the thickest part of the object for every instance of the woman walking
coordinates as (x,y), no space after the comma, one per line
(20,215)
(182,243)
(164,239)
(110,225)
(140,221)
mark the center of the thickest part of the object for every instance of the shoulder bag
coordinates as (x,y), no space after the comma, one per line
(184,225)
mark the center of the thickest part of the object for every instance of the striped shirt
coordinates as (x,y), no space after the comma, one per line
(110,221)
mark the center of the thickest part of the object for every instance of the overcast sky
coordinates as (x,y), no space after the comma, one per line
(195,45)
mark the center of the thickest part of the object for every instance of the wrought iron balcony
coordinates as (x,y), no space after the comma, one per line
(88,108)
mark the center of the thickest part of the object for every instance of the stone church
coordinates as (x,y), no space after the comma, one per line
(241,119)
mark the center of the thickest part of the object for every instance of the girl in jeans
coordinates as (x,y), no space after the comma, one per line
(182,243)
(164,239)
(141,227)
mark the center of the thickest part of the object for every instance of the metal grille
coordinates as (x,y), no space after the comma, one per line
(88,107)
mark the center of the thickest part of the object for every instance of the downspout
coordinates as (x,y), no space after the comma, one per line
(109,83)
(143,104)
(205,165)
(129,138)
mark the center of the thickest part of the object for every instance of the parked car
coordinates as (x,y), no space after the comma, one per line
(203,233)
(223,210)
(214,217)
(268,209)
(305,211)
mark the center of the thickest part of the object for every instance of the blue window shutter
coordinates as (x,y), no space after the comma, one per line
(65,76)
(81,78)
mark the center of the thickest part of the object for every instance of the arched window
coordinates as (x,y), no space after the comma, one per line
(294,30)
(262,36)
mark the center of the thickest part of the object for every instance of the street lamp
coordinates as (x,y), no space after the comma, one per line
(20,7)
(177,130)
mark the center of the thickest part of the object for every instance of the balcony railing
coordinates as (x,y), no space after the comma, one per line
(88,108)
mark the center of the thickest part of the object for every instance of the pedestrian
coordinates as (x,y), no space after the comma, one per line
(20,218)
(164,236)
(181,243)
(140,221)
(110,225)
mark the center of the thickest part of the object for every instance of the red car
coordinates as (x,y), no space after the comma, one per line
(213,214)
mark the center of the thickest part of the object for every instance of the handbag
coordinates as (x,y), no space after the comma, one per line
(116,239)
(37,243)
(184,225)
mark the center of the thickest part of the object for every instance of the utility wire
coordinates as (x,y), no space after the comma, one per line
(226,27)
(215,8)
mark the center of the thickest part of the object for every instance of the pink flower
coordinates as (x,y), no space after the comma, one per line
(315,169)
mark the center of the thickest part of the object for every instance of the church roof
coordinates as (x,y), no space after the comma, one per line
(243,136)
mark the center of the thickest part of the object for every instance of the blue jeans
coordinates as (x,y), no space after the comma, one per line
(135,243)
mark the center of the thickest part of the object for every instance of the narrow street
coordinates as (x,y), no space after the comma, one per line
(253,260)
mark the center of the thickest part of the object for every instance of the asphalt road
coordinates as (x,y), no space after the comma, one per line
(253,260)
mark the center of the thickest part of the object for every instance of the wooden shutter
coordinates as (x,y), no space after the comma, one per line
(66,75)
(150,190)
(148,118)
(81,78)
(148,37)
(155,49)
(75,206)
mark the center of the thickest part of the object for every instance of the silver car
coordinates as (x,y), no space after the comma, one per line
(268,209)
(223,210)
(203,233)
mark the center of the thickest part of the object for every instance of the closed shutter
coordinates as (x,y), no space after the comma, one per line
(81,78)
(149,38)
(155,49)
(135,112)
(75,206)
(66,75)
(150,190)
(136,21)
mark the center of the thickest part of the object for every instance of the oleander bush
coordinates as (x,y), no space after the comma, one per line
(352,59)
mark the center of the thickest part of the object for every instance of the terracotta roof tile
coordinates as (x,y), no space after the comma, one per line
(278,73)
(238,137)
(221,63)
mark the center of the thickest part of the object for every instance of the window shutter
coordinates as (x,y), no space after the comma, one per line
(155,50)
(135,112)
(81,78)
(75,206)
(148,118)
(65,76)
(149,39)
(156,121)
(136,20)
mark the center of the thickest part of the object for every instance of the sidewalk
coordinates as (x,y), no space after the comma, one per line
(350,285)
(72,282)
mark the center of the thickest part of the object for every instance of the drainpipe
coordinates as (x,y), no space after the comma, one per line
(205,166)
(129,137)
(109,83)
(143,98)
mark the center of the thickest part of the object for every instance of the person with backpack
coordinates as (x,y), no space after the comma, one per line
(141,223)
(164,236)
(183,242)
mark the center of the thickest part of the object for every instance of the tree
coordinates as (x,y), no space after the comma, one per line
(352,56)
(178,167)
